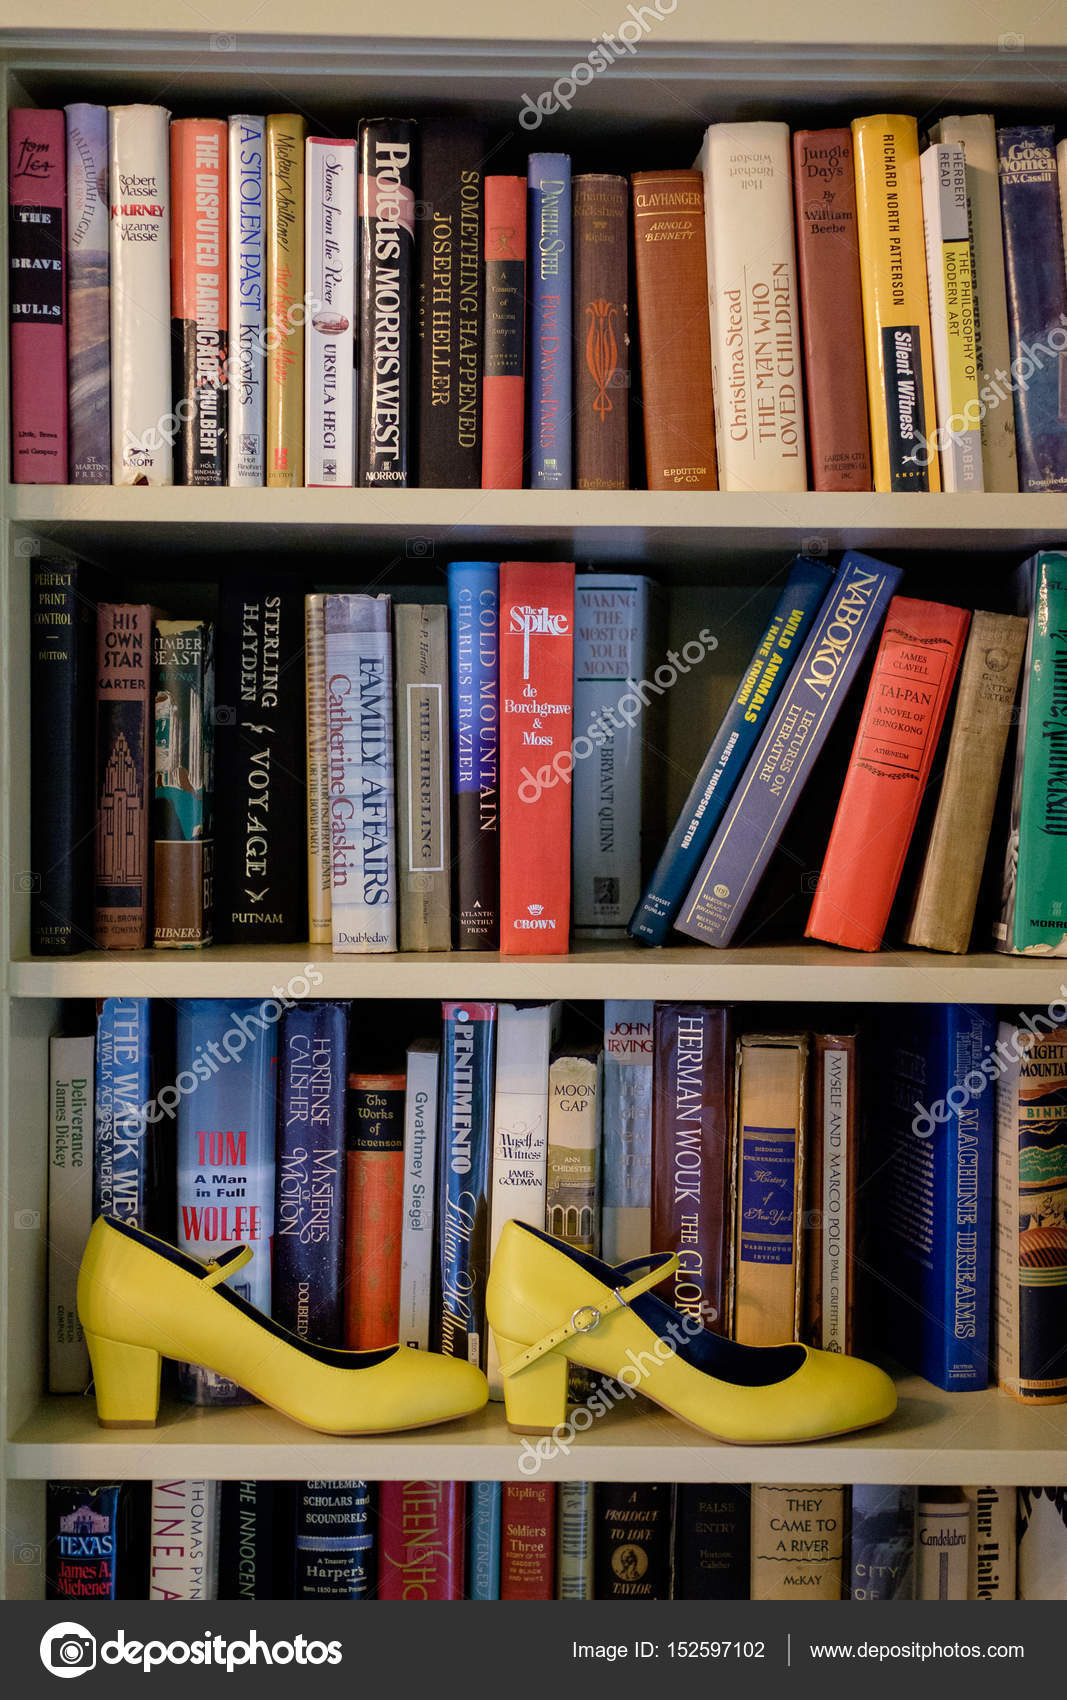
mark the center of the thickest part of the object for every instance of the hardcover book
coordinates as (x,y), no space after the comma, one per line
(359,736)
(632,1542)
(183,802)
(772,1131)
(320,911)
(83,1536)
(386,213)
(142,449)
(374,1202)
(626,1207)
(601,217)
(421,1529)
(420,1175)
(286,135)
(464,1149)
(953,314)
(62,707)
(1042,1568)
(832,1190)
(199,298)
(474,621)
(307,1272)
(252,1541)
(882,1543)
(450,300)
(575,1524)
(1037,300)
(572,1172)
(551,257)
(88,295)
(247,310)
(504,368)
(329,335)
(528,1541)
(483,1540)
(335,1557)
(37,276)
(123,765)
(183,1550)
(797,1542)
(942,1544)
(124,1151)
(70,1205)
(712,1535)
(425,785)
(994,1512)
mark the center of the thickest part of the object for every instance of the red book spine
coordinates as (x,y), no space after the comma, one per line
(421,1528)
(374,1209)
(123,744)
(536,711)
(528,1541)
(37,201)
(504,373)
(891,760)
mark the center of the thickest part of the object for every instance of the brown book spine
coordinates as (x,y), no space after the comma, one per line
(828,260)
(671,274)
(123,764)
(183,845)
(601,329)
(528,1541)
(830,1217)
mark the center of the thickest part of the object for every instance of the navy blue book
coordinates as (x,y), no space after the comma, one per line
(464,1148)
(934,1201)
(309,1194)
(712,1539)
(1037,301)
(711,790)
(254,1538)
(882,1543)
(334,1546)
(474,621)
(83,1545)
(483,1541)
(123,1146)
(62,803)
(550,347)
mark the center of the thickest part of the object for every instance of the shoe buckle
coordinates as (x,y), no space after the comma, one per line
(587,1327)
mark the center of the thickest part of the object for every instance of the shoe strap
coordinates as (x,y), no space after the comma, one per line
(227,1264)
(587,1317)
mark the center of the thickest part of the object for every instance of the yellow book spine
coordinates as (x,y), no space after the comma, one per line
(771,1108)
(286,134)
(320,926)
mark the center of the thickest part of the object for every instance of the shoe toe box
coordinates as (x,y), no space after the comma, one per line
(441,1388)
(845,1393)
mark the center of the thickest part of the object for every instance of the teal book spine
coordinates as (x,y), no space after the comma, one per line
(483,1541)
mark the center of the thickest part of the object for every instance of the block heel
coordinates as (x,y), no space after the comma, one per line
(127,1383)
(535,1398)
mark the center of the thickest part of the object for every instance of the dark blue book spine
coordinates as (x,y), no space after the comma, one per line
(464,1146)
(483,1541)
(308,1261)
(250,1539)
(882,1543)
(712,1540)
(778,768)
(334,1546)
(121,1145)
(474,622)
(1037,303)
(550,359)
(82,1554)
(755,697)
(62,804)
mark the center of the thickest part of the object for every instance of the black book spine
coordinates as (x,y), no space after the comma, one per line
(253,1537)
(386,209)
(261,789)
(712,1534)
(62,804)
(334,1551)
(450,301)
(632,1541)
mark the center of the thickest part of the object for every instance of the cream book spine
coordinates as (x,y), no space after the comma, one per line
(143,425)
(953,324)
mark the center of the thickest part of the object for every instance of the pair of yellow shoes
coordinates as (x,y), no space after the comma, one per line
(141,1300)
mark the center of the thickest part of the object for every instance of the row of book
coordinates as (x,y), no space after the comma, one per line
(374,1201)
(378,311)
(234,1540)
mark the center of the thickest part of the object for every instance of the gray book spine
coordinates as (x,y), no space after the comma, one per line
(423,779)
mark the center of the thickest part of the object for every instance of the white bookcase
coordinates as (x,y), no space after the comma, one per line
(718,553)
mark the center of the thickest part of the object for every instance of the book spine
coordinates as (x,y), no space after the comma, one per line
(62,705)
(942,1547)
(183,1553)
(767,791)
(712,1531)
(416,1236)
(386,210)
(37,274)
(1037,301)
(424,820)
(329,335)
(572,1179)
(896,306)
(797,1541)
(450,300)
(334,1557)
(536,712)
(1042,1557)
(70,1205)
(474,622)
(374,1204)
(802,600)
(483,1544)
(771,1139)
(359,732)
(504,364)
(953,316)
(82,1541)
(882,1543)
(123,764)
(632,1542)
(1037,924)
(88,301)
(183,825)
(551,264)
(824,182)
(247,309)
(142,423)
(1005,1320)
(993,1548)
(307,1266)
(575,1523)
(831,1194)
(626,1211)
(286,134)
(528,1541)
(464,1149)
(671,279)
(320,911)
(602,341)
(199,298)
(421,1540)
(250,1538)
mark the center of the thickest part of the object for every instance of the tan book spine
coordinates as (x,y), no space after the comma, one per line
(320,910)
(797,1535)
(830,1184)
(424,787)
(286,135)
(943,910)
(771,1111)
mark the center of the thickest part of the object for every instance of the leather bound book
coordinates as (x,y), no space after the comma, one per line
(671,273)
(602,363)
(37,276)
(421,1528)
(528,1541)
(771,1092)
(632,1541)
(504,365)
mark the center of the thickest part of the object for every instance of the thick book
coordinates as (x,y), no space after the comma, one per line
(572,1168)
(374,1203)
(797,1542)
(626,1199)
(307,1264)
(881,1543)
(946,896)
(994,1512)
(1037,302)
(832,1193)
(247,310)
(936,1146)
(754,310)
(835,367)
(692,1127)
(183,1546)
(417,1206)
(125,1147)
(123,769)
(1042,1553)
(483,1540)
(712,1533)
(601,232)
(772,1134)
(774,776)
(528,1541)
(62,708)
(896,303)
(88,295)
(575,1524)
(359,737)
(199,268)
(464,1152)
(421,1540)
(261,892)
(671,281)
(329,334)
(942,1544)
(386,238)
(474,709)
(536,713)
(334,1548)
(632,1541)
(320,910)
(143,424)
(892,759)
(286,309)
(424,783)
(253,1543)
(183,801)
(84,1530)
(803,597)
(37,306)
(551,258)
(504,359)
(953,314)
(450,293)
(70,1204)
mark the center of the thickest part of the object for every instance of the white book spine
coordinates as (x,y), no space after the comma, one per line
(993,1514)
(359,731)
(1042,1563)
(837,1194)
(329,341)
(183,1554)
(942,1549)
(143,426)
(416,1235)
(320,930)
(70,1206)
(246,368)
(950,277)
(754,307)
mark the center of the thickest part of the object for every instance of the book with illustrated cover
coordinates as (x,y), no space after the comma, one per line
(632,1541)
(183,800)
(1042,1565)
(84,1528)
(882,1543)
(123,774)
(88,295)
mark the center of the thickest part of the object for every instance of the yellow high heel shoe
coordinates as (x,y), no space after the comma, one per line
(549,1305)
(141,1300)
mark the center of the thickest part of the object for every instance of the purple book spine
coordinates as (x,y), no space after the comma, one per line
(308,1265)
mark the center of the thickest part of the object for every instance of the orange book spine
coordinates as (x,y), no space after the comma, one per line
(374,1193)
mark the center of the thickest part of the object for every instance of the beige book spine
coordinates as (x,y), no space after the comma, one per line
(318,772)
(769,1185)
(797,1536)
(286,310)
(423,785)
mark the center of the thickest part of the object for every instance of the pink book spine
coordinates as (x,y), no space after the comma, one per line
(37,196)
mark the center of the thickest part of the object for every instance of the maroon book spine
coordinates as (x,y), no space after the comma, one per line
(528,1541)
(37,201)
(504,366)
(602,357)
(421,1528)
(123,744)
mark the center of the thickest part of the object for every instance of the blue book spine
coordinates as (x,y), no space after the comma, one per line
(549,363)
(483,1540)
(464,1148)
(121,1153)
(334,1548)
(474,623)
(1037,303)
(226,1060)
(882,1544)
(308,1261)
(250,1537)
(778,768)
(765,676)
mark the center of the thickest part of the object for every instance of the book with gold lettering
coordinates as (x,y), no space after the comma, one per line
(772,1109)
(286,136)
